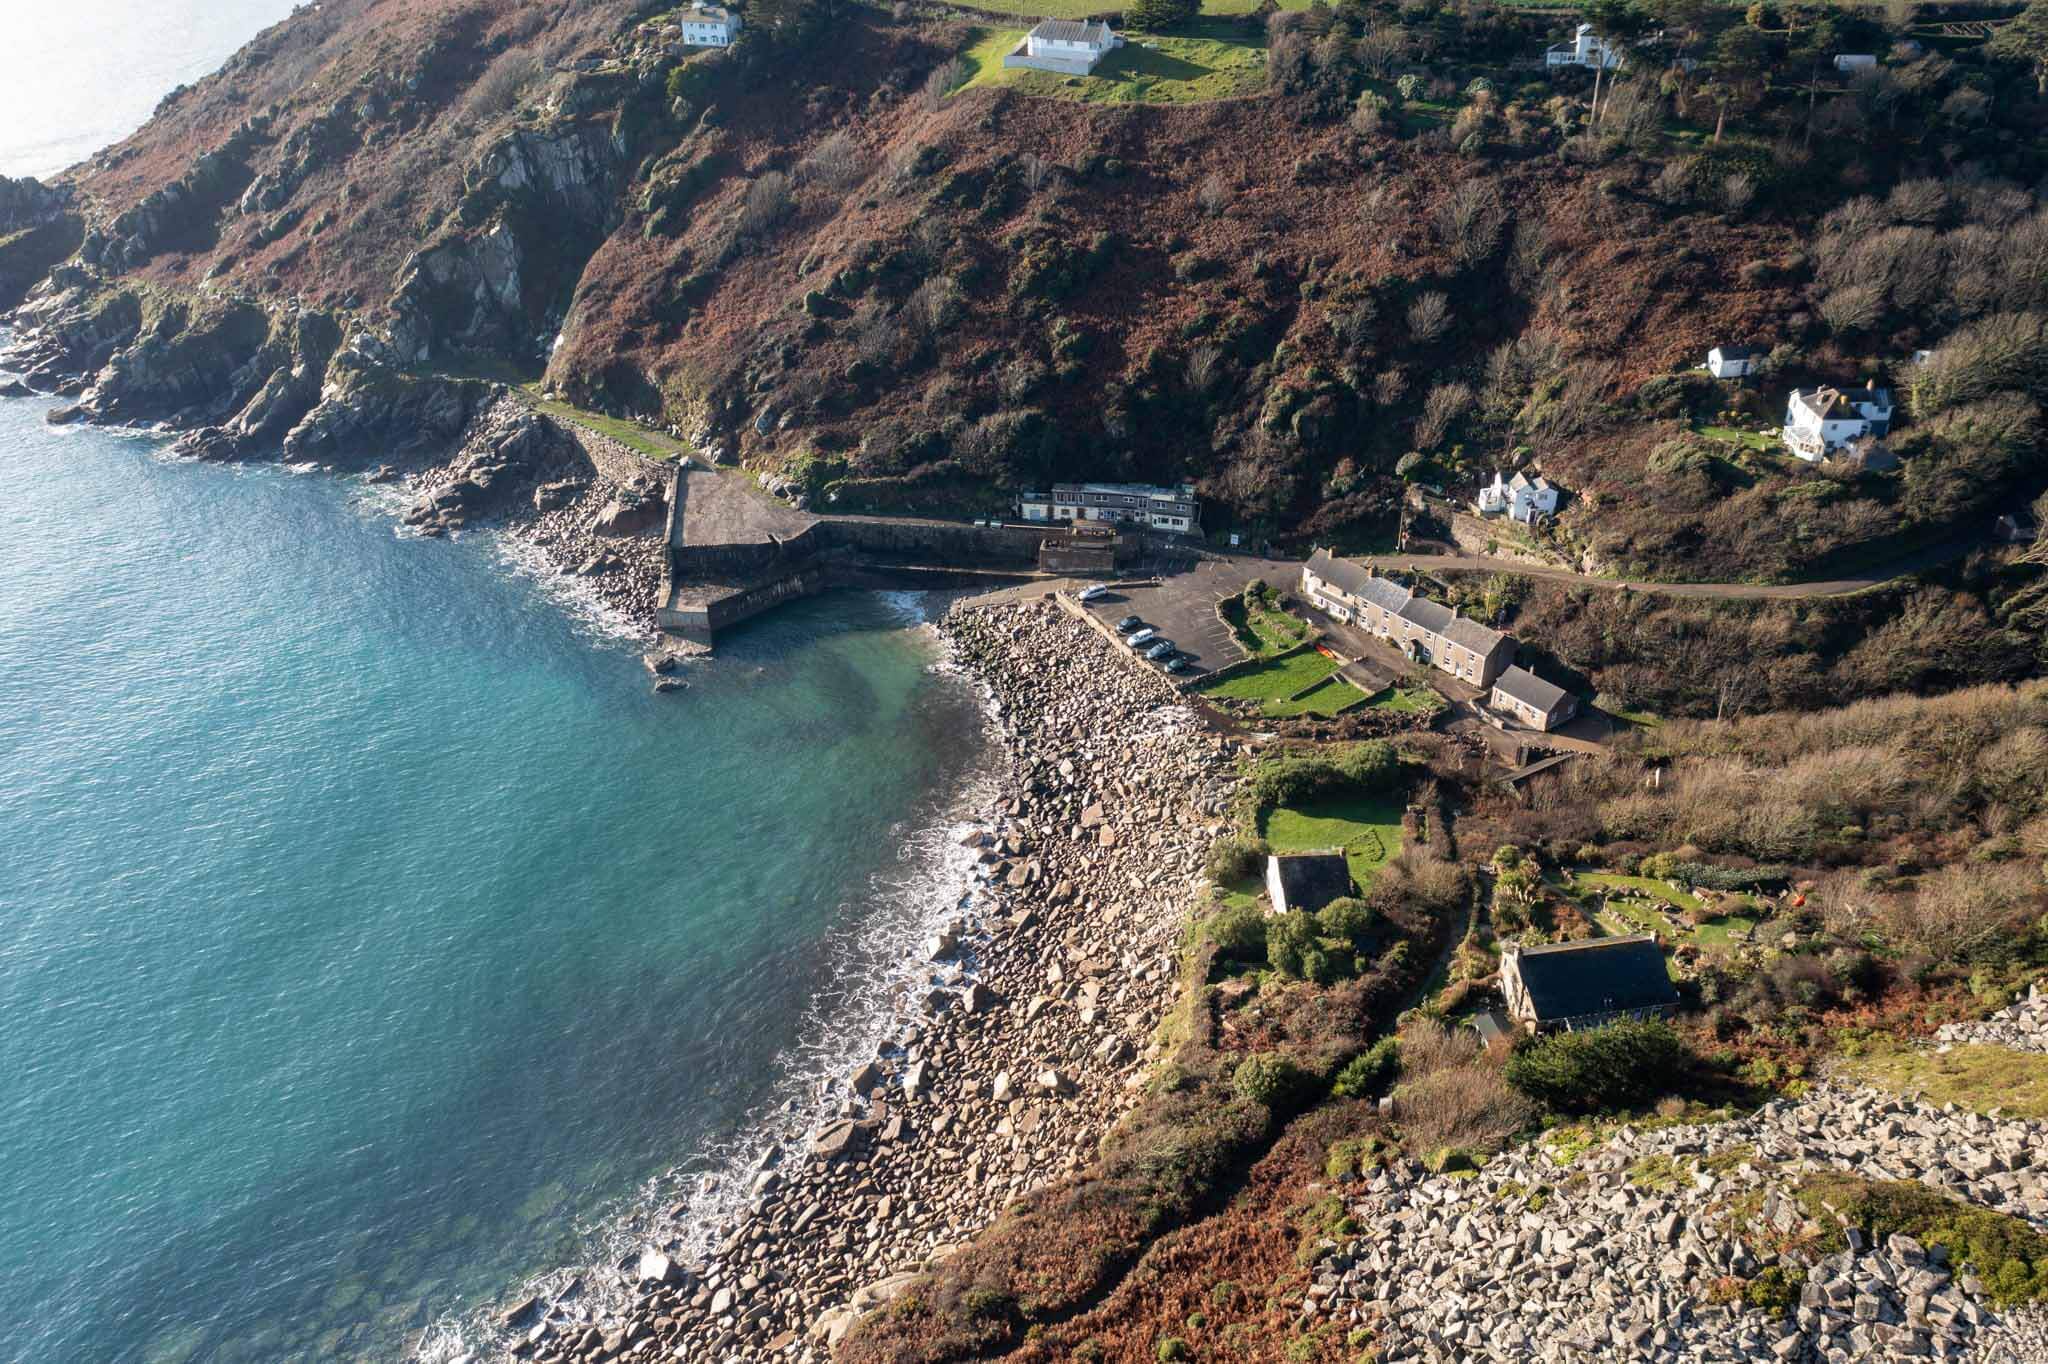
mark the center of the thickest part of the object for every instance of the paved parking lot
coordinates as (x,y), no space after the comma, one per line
(1182,605)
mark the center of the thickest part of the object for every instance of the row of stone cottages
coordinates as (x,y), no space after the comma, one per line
(1431,633)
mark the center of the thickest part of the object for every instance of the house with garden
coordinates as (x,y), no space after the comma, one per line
(1821,420)
(1426,631)
(1520,498)
(1070,47)
(1572,985)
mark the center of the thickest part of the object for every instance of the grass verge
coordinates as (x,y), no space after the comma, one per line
(1977,1077)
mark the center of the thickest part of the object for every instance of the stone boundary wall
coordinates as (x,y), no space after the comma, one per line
(702,621)
(613,459)
(932,542)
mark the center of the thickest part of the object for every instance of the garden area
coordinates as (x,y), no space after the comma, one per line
(1643,904)
(1259,624)
(1205,60)
(1367,828)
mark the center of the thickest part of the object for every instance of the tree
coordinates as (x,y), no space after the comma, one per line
(2025,39)
(1155,15)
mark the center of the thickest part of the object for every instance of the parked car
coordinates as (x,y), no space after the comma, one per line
(1142,638)
(1178,664)
(1128,624)
(1161,649)
(1095,593)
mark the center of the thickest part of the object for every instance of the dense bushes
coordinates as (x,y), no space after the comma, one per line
(1271,1080)
(1234,857)
(1367,1075)
(1239,933)
(1297,947)
(1622,1065)
(1297,778)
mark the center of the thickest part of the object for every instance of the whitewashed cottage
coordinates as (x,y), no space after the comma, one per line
(1821,420)
(1587,49)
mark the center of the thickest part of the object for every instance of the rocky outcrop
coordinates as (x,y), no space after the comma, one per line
(70,329)
(38,228)
(313,145)
(1639,1248)
(1023,1031)
(2022,1027)
(370,409)
(636,507)
(183,214)
(535,207)
(508,453)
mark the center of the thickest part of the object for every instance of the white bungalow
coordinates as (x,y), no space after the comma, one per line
(1587,49)
(709,26)
(1523,498)
(1733,362)
(1821,420)
(1071,47)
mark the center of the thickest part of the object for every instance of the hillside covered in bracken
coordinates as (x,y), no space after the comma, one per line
(867,267)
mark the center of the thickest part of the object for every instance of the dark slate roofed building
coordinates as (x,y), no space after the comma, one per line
(1428,615)
(1585,984)
(1306,880)
(1528,699)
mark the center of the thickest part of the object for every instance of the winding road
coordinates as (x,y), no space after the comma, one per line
(1916,562)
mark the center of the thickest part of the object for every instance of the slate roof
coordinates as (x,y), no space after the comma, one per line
(1600,975)
(1072,31)
(1312,880)
(1491,1025)
(1354,580)
(1431,616)
(1522,685)
(1474,636)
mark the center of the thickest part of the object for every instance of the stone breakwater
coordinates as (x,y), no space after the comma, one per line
(1029,1031)
(1617,1255)
(2022,1026)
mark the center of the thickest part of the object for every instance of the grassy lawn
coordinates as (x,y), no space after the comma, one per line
(1206,61)
(1980,1078)
(632,435)
(1368,830)
(1277,680)
(1656,890)
(1749,440)
(1406,700)
(1328,697)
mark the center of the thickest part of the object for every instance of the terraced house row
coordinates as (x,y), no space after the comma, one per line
(1427,631)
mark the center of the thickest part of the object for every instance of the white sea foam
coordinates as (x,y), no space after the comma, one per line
(877,966)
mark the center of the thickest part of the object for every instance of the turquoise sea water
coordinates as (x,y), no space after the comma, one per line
(370,935)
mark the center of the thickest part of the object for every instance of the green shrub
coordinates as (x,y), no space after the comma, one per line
(1269,1079)
(1347,918)
(1295,779)
(1297,947)
(1172,1347)
(1368,1074)
(1235,857)
(2009,1255)
(1239,934)
(1621,1065)
(1775,1290)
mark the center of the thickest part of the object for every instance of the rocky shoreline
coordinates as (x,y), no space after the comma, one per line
(1028,1035)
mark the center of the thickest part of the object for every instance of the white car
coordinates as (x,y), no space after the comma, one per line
(1095,593)
(1142,638)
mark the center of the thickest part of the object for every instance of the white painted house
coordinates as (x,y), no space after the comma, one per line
(1852,62)
(1071,47)
(1142,504)
(709,26)
(1523,498)
(1587,49)
(1733,362)
(1821,420)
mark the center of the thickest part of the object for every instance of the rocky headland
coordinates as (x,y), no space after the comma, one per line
(1029,1028)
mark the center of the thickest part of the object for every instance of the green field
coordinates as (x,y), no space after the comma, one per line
(1208,61)
(1326,698)
(1275,680)
(1406,700)
(1750,440)
(1368,830)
